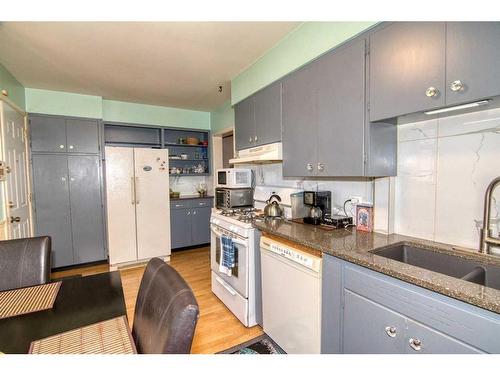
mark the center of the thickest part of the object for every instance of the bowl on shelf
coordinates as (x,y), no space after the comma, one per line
(175,194)
(192,140)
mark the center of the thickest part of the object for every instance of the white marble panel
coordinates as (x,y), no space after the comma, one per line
(418,130)
(466,165)
(415,188)
(482,121)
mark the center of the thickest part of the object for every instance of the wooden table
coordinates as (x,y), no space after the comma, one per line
(81,301)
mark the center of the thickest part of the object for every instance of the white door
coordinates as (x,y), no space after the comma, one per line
(15,156)
(152,202)
(120,196)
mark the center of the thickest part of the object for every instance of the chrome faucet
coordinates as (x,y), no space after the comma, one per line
(486,240)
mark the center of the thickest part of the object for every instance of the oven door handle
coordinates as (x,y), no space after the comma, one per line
(221,282)
(235,240)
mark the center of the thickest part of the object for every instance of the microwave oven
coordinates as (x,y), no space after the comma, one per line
(234,178)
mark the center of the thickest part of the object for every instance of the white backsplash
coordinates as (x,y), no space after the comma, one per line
(444,167)
(186,184)
(341,188)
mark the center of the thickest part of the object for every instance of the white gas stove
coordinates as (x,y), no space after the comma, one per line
(241,291)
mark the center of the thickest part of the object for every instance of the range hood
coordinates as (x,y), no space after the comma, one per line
(270,153)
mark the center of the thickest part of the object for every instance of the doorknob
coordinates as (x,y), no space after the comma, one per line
(16,219)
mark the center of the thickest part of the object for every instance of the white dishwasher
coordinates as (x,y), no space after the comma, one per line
(291,296)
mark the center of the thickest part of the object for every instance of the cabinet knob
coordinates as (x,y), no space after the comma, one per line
(194,212)
(61,146)
(255,139)
(431,92)
(309,167)
(457,86)
(63,178)
(188,213)
(71,147)
(391,331)
(415,344)
(321,167)
(250,139)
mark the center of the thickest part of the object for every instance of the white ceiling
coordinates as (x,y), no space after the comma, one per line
(177,64)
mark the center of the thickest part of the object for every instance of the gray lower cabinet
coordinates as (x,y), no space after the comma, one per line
(258,118)
(64,134)
(52,205)
(407,59)
(68,206)
(86,208)
(364,311)
(472,56)
(190,222)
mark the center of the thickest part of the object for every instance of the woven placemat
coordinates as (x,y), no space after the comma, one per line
(107,337)
(27,300)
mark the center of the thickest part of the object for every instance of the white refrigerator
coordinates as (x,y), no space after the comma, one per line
(138,204)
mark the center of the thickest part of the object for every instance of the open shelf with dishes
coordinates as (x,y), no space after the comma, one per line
(188,149)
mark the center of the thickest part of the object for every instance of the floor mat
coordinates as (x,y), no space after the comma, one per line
(259,345)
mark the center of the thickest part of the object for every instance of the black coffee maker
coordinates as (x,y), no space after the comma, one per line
(320,206)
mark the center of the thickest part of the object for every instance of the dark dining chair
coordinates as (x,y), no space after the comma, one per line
(166,312)
(24,262)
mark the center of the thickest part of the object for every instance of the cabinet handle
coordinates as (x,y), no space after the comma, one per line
(415,344)
(309,167)
(457,86)
(132,187)
(137,190)
(255,139)
(16,219)
(391,331)
(61,146)
(431,92)
(188,213)
(321,167)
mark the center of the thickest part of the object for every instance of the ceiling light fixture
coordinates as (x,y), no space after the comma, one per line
(458,107)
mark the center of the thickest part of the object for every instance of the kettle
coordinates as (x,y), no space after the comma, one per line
(273,208)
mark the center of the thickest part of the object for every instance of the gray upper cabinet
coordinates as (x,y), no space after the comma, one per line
(300,122)
(407,69)
(324,117)
(82,136)
(268,115)
(60,134)
(472,57)
(52,205)
(258,118)
(48,134)
(244,129)
(341,112)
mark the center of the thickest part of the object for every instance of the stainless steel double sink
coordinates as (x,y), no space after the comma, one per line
(451,265)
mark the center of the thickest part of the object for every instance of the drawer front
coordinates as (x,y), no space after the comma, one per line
(231,298)
(370,328)
(470,324)
(180,204)
(203,202)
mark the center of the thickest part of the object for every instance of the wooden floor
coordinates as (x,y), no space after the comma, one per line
(217,328)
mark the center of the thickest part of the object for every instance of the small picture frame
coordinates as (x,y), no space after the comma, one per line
(364,217)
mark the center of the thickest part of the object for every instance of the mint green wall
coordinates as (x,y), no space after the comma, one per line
(222,117)
(63,103)
(154,115)
(301,45)
(14,88)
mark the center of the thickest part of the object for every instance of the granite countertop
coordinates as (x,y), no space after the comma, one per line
(354,246)
(194,196)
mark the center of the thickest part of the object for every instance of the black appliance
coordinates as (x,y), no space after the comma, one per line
(320,203)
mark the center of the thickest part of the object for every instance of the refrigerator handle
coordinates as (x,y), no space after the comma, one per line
(137,190)
(132,187)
